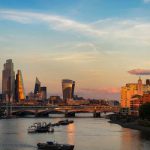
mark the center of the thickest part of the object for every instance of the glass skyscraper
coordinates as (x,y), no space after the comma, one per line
(43,93)
(68,87)
(37,87)
(8,81)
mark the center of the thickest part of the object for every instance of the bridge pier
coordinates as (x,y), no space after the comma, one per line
(41,114)
(69,114)
(8,110)
(96,114)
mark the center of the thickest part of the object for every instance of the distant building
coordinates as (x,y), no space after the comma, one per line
(19,87)
(1,97)
(43,93)
(113,103)
(55,100)
(30,96)
(148,82)
(68,87)
(37,87)
(8,81)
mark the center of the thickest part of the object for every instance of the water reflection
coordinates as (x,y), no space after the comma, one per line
(145,135)
(71,133)
(85,134)
(135,140)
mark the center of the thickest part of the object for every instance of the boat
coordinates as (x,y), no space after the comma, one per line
(32,129)
(40,128)
(65,122)
(54,146)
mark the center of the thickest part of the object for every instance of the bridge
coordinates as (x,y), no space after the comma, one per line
(68,111)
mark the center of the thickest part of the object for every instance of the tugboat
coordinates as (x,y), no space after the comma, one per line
(54,146)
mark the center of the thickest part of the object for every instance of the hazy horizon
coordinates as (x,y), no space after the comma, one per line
(100,44)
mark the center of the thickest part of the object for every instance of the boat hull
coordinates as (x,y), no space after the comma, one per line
(43,146)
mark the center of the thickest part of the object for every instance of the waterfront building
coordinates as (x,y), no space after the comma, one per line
(126,93)
(19,87)
(68,87)
(132,89)
(8,81)
(137,101)
(43,93)
(37,87)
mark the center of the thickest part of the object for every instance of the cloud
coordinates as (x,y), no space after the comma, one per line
(139,72)
(54,21)
(146,1)
(110,29)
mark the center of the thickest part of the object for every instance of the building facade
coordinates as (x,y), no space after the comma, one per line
(131,89)
(8,81)
(37,87)
(19,87)
(68,87)
(43,93)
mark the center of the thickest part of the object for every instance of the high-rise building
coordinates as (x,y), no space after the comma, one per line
(8,81)
(68,87)
(43,93)
(37,87)
(19,87)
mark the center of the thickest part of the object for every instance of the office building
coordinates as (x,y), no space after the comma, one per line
(19,87)
(68,87)
(8,81)
(43,93)
(37,87)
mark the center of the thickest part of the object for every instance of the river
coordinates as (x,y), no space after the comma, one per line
(86,133)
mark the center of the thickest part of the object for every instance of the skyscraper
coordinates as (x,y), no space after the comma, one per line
(8,81)
(19,87)
(37,87)
(43,93)
(68,89)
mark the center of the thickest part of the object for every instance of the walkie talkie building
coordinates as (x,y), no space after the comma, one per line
(68,87)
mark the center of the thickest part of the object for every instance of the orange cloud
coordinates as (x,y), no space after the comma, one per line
(139,72)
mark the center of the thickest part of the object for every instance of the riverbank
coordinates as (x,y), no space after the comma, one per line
(129,122)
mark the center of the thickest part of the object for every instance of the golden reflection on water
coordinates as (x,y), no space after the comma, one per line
(71,133)
(131,140)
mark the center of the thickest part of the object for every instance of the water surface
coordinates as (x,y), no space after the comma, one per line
(85,134)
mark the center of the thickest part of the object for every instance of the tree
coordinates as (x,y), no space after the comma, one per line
(144,111)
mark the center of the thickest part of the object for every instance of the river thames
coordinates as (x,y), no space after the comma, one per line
(86,134)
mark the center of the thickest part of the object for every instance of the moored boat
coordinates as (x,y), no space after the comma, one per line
(65,122)
(54,146)
(40,128)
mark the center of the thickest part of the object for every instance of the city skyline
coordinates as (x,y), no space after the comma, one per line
(101,50)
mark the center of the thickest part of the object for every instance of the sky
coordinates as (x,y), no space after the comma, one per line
(100,44)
